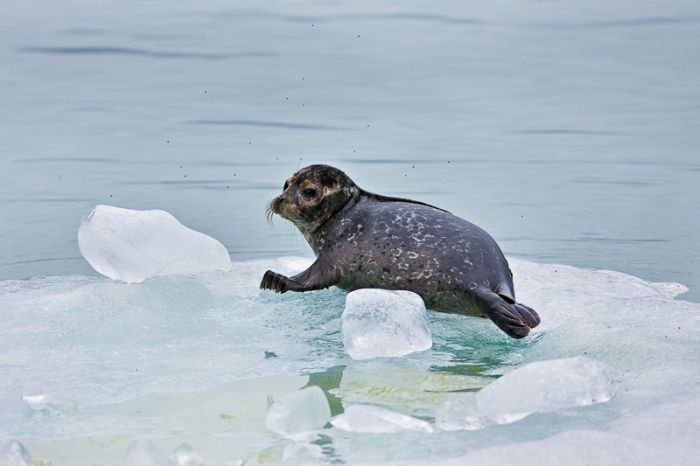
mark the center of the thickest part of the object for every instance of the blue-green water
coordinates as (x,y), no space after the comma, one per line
(569,130)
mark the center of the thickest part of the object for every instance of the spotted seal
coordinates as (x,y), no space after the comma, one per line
(365,240)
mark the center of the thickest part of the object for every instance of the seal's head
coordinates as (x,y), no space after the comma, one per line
(312,195)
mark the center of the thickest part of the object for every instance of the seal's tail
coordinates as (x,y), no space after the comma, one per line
(515,319)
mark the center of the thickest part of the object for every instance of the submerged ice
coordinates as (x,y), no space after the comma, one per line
(133,245)
(384,323)
(88,366)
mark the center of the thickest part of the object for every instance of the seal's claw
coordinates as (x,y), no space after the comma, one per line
(274,281)
(528,315)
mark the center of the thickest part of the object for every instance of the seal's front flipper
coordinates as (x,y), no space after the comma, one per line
(316,277)
(275,282)
(514,319)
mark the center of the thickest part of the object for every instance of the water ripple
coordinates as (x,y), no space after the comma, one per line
(566,131)
(131,51)
(634,22)
(398,16)
(380,161)
(65,160)
(266,124)
(49,200)
(47,259)
(405,16)
(208,184)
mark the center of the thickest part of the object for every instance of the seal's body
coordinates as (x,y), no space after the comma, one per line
(364,240)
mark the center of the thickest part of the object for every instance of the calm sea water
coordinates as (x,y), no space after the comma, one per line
(570,130)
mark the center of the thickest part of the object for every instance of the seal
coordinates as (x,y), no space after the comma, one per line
(366,240)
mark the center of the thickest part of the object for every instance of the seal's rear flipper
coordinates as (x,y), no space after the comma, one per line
(514,319)
(528,314)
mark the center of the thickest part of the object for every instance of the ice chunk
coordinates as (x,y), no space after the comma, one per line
(547,386)
(133,245)
(300,413)
(383,323)
(184,455)
(143,453)
(13,453)
(376,420)
(37,402)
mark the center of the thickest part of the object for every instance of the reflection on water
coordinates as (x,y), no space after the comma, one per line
(329,380)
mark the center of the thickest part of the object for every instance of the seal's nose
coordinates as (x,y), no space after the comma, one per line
(277,202)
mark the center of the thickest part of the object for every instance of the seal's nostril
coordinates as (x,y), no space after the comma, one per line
(277,202)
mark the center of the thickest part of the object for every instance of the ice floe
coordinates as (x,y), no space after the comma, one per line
(182,359)
(133,245)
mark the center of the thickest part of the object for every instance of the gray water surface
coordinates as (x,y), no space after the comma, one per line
(569,129)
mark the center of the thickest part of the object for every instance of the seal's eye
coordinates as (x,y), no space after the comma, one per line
(309,192)
(286,185)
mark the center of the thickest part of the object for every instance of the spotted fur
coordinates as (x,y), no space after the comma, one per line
(365,240)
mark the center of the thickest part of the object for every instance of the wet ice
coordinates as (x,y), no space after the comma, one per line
(547,386)
(142,452)
(374,419)
(133,245)
(13,453)
(299,414)
(184,455)
(384,323)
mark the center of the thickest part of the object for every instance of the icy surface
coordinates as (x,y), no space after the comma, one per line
(384,323)
(13,453)
(299,413)
(88,365)
(301,452)
(547,386)
(133,245)
(460,412)
(143,453)
(375,420)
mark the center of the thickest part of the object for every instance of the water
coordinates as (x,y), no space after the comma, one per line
(568,130)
